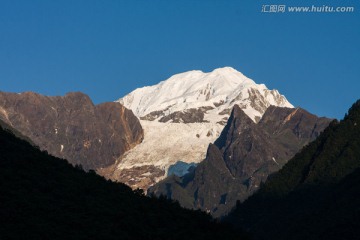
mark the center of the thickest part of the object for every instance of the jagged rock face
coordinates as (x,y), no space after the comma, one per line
(185,113)
(72,127)
(242,158)
(192,115)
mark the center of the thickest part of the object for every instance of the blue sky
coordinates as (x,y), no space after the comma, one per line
(108,48)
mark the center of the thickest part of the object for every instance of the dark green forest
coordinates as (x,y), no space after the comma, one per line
(43,197)
(316,195)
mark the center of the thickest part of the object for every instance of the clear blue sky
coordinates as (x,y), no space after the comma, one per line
(108,48)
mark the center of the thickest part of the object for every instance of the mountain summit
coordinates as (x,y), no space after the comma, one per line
(181,116)
(209,93)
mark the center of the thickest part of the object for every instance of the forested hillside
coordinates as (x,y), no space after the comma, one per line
(43,197)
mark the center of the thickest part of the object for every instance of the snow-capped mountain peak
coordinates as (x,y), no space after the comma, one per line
(220,90)
(182,115)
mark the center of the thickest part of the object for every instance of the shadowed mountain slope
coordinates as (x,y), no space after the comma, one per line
(44,197)
(242,158)
(316,195)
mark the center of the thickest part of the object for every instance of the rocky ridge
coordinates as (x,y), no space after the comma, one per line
(72,127)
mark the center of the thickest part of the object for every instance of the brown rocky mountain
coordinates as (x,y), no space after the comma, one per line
(242,158)
(72,127)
